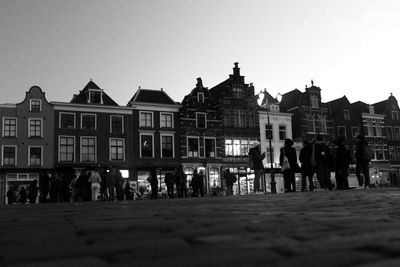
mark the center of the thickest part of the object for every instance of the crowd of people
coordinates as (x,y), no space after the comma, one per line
(317,157)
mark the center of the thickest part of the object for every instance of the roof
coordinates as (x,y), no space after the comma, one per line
(152,96)
(83,96)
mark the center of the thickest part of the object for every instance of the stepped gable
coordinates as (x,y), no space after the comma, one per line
(83,96)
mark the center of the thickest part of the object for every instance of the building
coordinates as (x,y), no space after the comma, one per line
(275,127)
(310,115)
(155,135)
(390,108)
(201,140)
(92,131)
(27,141)
(238,106)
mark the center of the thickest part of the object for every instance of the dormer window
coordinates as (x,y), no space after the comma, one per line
(371,110)
(314,101)
(200,97)
(274,108)
(95,97)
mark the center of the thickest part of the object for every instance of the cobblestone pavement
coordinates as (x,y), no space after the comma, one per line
(339,228)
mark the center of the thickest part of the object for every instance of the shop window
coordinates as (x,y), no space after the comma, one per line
(214,176)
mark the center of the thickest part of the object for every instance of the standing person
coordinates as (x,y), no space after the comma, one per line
(230,179)
(195,184)
(322,158)
(54,187)
(32,192)
(201,183)
(95,181)
(343,160)
(180,181)
(111,180)
(74,187)
(11,195)
(152,179)
(119,184)
(169,181)
(289,152)
(64,187)
(257,165)
(103,185)
(127,190)
(307,171)
(363,157)
(22,195)
(44,186)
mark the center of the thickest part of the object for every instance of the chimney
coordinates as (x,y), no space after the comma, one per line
(199,83)
(236,69)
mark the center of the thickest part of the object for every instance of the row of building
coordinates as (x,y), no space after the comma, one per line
(210,129)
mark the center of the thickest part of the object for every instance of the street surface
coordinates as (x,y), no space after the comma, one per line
(339,228)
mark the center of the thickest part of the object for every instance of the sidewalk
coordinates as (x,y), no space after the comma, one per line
(339,228)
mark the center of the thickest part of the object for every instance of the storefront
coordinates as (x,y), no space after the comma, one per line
(15,182)
(212,177)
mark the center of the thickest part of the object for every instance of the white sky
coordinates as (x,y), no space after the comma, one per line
(348,47)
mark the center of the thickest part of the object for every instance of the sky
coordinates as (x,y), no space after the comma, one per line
(348,47)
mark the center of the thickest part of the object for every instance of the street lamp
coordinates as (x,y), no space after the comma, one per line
(263,102)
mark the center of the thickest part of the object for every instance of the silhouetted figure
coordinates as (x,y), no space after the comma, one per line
(257,165)
(322,161)
(343,160)
(95,181)
(169,181)
(180,181)
(289,175)
(44,186)
(111,180)
(152,179)
(230,179)
(32,191)
(11,195)
(307,171)
(119,183)
(363,157)
(22,195)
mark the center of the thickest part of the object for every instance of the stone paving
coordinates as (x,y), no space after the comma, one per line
(339,228)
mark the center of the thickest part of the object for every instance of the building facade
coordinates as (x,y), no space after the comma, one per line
(27,141)
(201,140)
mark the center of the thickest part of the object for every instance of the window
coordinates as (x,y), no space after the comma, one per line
(346,114)
(282,132)
(371,109)
(214,177)
(314,101)
(146,119)
(9,127)
(242,119)
(35,127)
(389,132)
(268,131)
(117,149)
(88,121)
(322,124)
(379,152)
(95,97)
(244,147)
(342,131)
(9,156)
(396,133)
(66,149)
(200,97)
(398,152)
(146,146)
(227,118)
(354,132)
(392,153)
(88,149)
(228,147)
(395,115)
(237,92)
(35,156)
(36,105)
(166,120)
(201,120)
(167,144)
(250,119)
(193,147)
(117,124)
(67,120)
(210,147)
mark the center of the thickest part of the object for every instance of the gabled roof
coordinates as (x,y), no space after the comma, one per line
(334,104)
(291,99)
(151,96)
(83,96)
(381,107)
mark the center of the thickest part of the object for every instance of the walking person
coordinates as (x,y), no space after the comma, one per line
(289,152)
(152,179)
(307,170)
(33,191)
(22,195)
(95,181)
(111,180)
(230,179)
(343,160)
(322,161)
(257,165)
(363,157)
(180,181)
(169,181)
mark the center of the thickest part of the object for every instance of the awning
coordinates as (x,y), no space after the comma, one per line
(383,167)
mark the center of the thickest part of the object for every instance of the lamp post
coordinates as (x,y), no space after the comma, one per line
(263,102)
